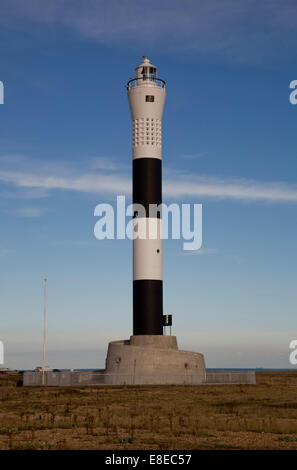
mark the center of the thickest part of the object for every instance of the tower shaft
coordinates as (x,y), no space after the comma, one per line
(146,94)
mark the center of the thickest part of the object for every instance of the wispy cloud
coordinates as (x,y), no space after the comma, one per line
(4,252)
(183,186)
(20,193)
(29,212)
(236,189)
(91,183)
(245,30)
(105,163)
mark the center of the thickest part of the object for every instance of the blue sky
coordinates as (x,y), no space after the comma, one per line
(229,143)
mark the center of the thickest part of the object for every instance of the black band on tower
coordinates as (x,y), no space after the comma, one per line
(148,307)
(147,182)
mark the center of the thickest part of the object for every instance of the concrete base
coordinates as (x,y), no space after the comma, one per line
(144,360)
(153,360)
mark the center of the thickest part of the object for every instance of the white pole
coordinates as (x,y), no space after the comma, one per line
(44,335)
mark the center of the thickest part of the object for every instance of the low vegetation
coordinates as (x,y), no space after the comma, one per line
(261,416)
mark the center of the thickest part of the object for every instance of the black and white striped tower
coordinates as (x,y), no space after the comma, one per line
(146,94)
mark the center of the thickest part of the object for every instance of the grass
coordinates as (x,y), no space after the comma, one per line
(261,416)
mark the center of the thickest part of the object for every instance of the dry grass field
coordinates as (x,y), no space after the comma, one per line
(262,416)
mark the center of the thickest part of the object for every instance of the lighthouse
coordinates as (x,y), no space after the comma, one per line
(146,95)
(149,356)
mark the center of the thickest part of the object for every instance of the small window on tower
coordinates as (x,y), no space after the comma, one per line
(150,98)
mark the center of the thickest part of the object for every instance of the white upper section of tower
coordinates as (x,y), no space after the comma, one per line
(146,94)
